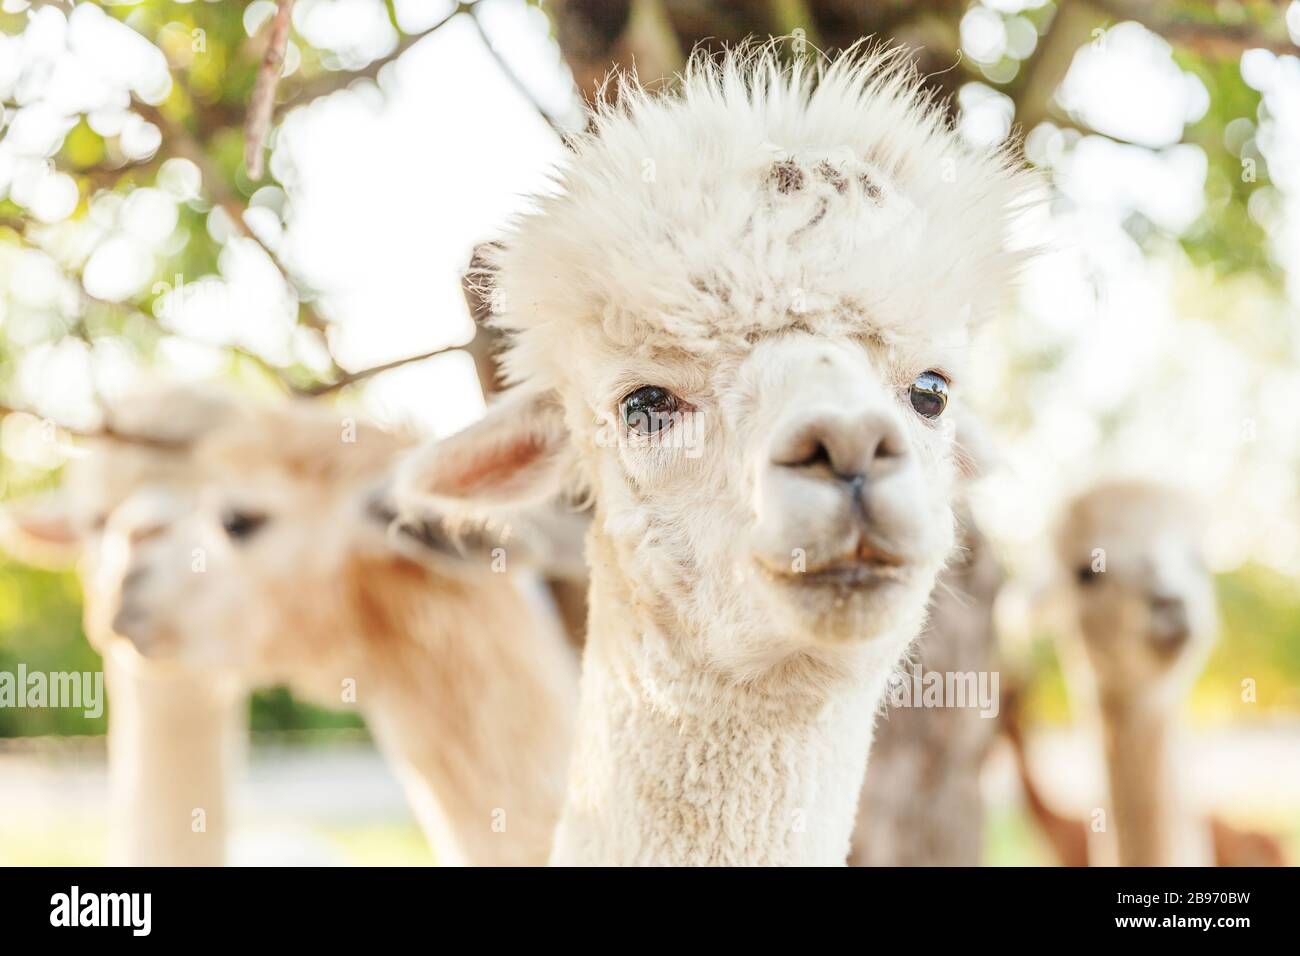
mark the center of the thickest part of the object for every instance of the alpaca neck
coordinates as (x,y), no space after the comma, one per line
(1150,824)
(681,763)
(175,741)
(476,714)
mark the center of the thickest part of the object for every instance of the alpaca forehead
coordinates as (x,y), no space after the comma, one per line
(108,476)
(306,504)
(1145,555)
(1142,529)
(722,267)
(703,223)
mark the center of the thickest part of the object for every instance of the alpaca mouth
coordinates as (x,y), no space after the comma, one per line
(867,566)
(852,575)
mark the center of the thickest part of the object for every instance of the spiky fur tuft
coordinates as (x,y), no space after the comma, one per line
(759,195)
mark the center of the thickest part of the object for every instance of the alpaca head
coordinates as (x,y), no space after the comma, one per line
(273,567)
(1141,599)
(66,527)
(739,323)
(248,565)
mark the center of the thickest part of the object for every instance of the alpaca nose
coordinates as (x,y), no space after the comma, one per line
(848,446)
(129,613)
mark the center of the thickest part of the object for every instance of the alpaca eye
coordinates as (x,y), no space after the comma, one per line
(649,409)
(241,524)
(1085,575)
(929,394)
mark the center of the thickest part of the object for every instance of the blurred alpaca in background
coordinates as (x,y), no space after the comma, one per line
(175,735)
(286,570)
(1142,621)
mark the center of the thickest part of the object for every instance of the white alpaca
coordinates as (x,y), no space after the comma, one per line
(736,324)
(286,570)
(1142,615)
(175,736)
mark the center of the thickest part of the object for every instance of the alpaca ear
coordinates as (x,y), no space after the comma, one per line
(41,531)
(516,456)
(549,537)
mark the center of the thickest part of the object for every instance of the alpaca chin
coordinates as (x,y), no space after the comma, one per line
(860,605)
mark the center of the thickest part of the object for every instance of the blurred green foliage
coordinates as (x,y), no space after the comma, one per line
(1226,237)
(1260,609)
(40,627)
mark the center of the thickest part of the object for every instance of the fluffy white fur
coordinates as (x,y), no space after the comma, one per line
(666,229)
(786,250)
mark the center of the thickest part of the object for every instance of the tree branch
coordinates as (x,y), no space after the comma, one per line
(185,144)
(106,432)
(258,123)
(515,81)
(1042,76)
(88,299)
(337,80)
(351,378)
(182,142)
(1213,40)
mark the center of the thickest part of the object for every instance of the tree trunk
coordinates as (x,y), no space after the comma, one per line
(921,802)
(655,36)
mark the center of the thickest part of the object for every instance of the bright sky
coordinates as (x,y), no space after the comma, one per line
(388,190)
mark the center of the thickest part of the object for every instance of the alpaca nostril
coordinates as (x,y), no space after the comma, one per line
(885,450)
(847,447)
(819,455)
(134,578)
(888,447)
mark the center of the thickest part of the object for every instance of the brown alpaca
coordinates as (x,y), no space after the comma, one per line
(286,569)
(1142,620)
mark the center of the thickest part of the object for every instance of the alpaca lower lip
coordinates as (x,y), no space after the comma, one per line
(856,574)
(866,568)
